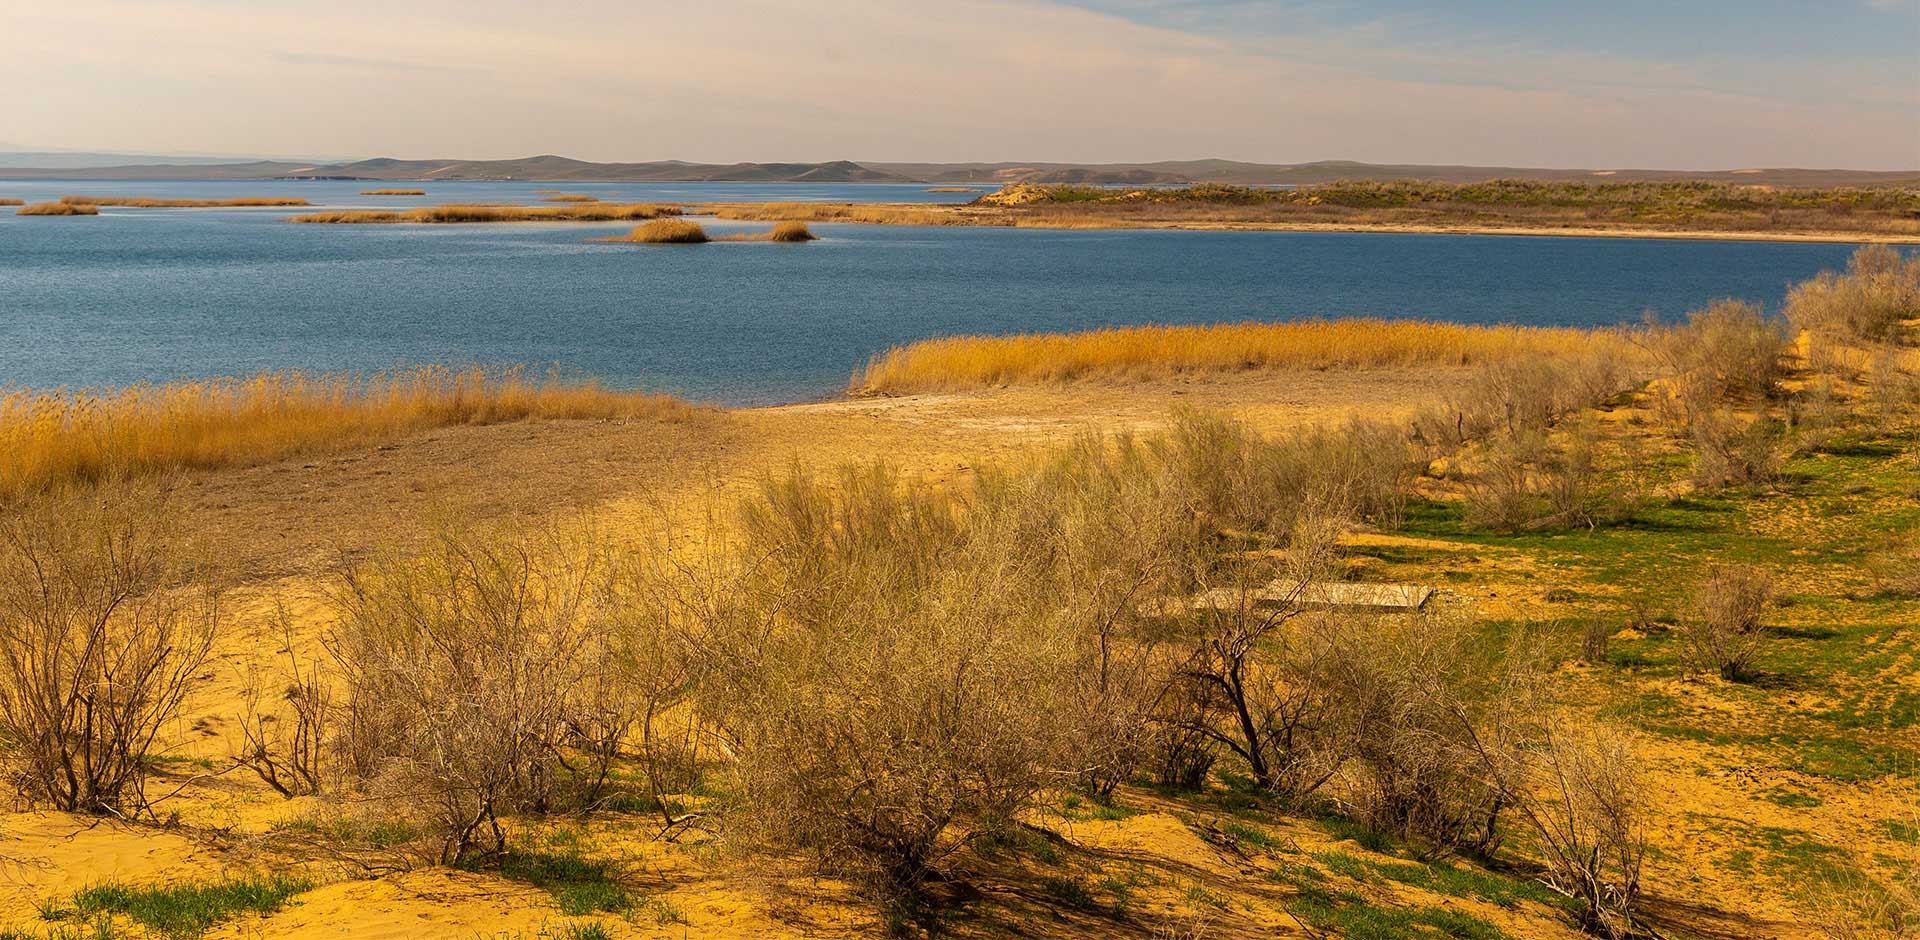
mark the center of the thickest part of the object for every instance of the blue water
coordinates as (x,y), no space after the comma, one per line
(149,295)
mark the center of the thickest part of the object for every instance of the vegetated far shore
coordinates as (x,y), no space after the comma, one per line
(1059,658)
(1665,210)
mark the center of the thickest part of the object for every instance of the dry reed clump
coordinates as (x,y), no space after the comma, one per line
(53,438)
(791,232)
(57,208)
(104,623)
(1726,627)
(1129,352)
(666,232)
(137,202)
(571,197)
(6,201)
(462,667)
(393,192)
(1872,302)
(466,214)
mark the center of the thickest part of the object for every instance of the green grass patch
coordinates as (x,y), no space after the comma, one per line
(186,910)
(579,885)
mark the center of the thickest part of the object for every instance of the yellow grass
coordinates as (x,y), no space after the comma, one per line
(572,197)
(393,192)
(56,208)
(1138,352)
(879,214)
(142,203)
(591,212)
(12,202)
(49,438)
(665,232)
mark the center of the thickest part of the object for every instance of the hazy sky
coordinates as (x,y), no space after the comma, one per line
(1646,83)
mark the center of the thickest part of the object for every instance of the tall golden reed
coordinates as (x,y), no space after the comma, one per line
(49,438)
(1145,351)
(577,212)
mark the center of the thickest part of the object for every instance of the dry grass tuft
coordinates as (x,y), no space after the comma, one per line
(56,208)
(51,438)
(791,232)
(1130,352)
(666,232)
(591,212)
(135,202)
(393,192)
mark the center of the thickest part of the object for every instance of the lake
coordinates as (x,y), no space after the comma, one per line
(151,295)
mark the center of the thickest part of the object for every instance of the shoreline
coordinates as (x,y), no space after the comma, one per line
(968,216)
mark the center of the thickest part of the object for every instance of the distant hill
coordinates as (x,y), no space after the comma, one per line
(555,168)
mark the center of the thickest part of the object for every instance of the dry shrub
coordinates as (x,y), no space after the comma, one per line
(57,208)
(1729,349)
(1895,568)
(1578,788)
(1533,481)
(1409,729)
(1147,351)
(104,624)
(1232,477)
(1870,303)
(1726,629)
(667,232)
(1249,677)
(791,232)
(1524,394)
(286,722)
(462,668)
(50,438)
(881,677)
(1730,450)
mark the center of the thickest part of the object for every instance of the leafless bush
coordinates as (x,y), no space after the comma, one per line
(1727,349)
(1234,478)
(880,679)
(1734,451)
(1532,482)
(461,666)
(1412,732)
(1579,791)
(1895,568)
(1524,395)
(287,719)
(1593,639)
(1870,302)
(103,625)
(1726,627)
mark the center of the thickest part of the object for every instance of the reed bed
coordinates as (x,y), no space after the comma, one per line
(572,197)
(1147,351)
(56,208)
(874,214)
(393,192)
(136,202)
(12,202)
(665,232)
(59,437)
(789,232)
(462,214)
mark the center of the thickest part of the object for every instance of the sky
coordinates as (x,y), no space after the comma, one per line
(1681,84)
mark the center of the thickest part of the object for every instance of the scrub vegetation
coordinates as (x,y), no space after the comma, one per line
(464,214)
(1098,688)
